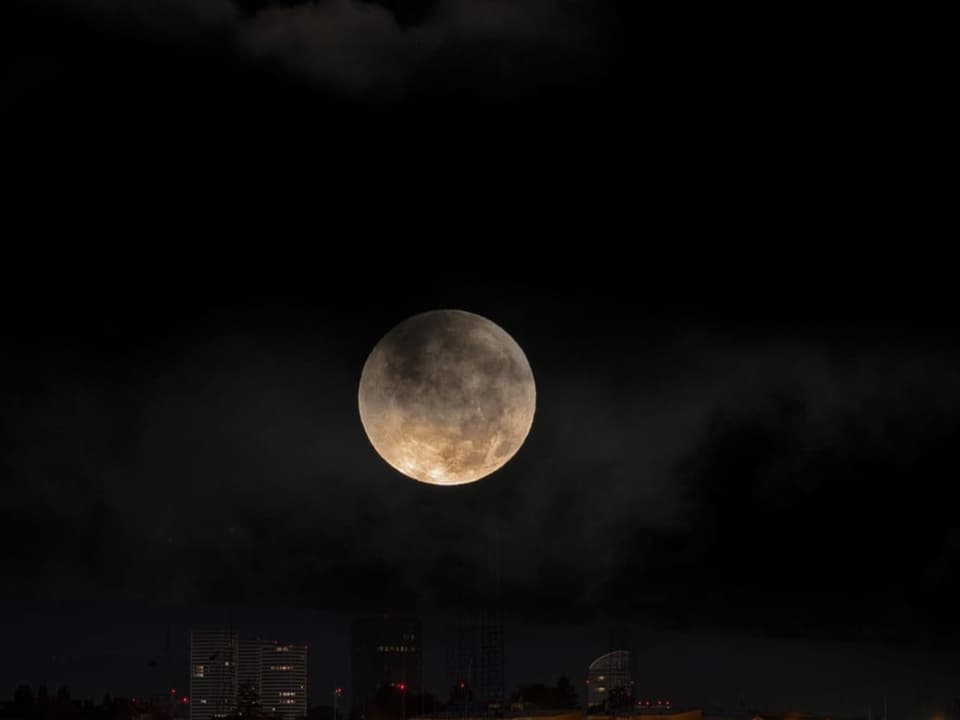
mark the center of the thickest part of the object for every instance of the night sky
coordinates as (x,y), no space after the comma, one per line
(755,471)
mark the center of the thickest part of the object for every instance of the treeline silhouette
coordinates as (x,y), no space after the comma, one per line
(391,703)
(561,697)
(42,705)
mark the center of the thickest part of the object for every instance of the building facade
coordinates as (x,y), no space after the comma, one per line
(248,672)
(283,679)
(385,650)
(213,674)
(607,673)
(225,670)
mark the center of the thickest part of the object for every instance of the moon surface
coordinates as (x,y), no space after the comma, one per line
(447,397)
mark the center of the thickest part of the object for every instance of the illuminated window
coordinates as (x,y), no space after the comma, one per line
(198,671)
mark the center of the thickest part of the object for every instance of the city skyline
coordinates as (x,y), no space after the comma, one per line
(670,663)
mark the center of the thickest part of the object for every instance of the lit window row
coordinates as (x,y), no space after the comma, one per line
(281,668)
(396,648)
(288,693)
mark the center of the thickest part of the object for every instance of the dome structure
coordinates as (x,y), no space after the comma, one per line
(608,672)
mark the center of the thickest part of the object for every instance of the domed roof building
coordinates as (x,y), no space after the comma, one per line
(608,672)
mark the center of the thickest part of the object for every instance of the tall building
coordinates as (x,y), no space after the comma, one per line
(386,650)
(213,674)
(283,679)
(248,673)
(607,673)
(224,667)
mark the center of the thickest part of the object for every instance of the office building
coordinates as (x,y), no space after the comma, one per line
(225,669)
(213,674)
(283,679)
(248,673)
(386,650)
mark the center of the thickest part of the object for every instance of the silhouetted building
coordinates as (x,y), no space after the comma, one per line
(213,674)
(386,650)
(609,675)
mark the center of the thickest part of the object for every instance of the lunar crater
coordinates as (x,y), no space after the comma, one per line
(447,397)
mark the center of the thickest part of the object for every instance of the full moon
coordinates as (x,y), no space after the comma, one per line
(447,397)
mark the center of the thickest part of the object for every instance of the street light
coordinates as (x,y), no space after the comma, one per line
(337,692)
(403,700)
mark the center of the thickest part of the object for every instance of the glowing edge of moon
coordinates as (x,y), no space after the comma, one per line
(406,471)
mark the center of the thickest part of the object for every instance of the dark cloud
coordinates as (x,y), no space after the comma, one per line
(782,483)
(362,46)
(822,509)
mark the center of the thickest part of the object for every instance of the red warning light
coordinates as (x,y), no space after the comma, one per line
(403,687)
(173,691)
(185,700)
